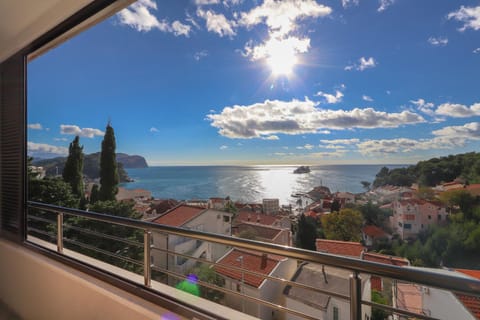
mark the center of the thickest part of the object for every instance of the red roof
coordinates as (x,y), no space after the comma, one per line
(255,218)
(376,283)
(179,215)
(409,297)
(472,273)
(252,261)
(385,259)
(344,248)
(373,231)
(471,303)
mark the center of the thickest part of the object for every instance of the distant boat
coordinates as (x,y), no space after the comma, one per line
(302,169)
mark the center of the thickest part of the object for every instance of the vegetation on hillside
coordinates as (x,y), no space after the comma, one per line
(434,171)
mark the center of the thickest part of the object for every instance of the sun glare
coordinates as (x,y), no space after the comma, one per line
(282,54)
(282,62)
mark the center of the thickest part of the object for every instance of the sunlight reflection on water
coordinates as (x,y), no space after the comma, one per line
(248,183)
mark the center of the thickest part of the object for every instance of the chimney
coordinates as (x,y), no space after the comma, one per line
(263,264)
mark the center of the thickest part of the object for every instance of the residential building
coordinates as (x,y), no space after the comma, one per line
(414,215)
(135,194)
(271,206)
(319,305)
(343,248)
(345,198)
(218,203)
(263,233)
(371,234)
(255,285)
(193,218)
(437,303)
(268,220)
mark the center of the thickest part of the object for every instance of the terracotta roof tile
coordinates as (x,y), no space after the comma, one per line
(179,215)
(471,303)
(244,216)
(373,231)
(386,259)
(261,231)
(252,261)
(344,248)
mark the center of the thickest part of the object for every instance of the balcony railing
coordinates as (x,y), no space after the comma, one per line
(54,230)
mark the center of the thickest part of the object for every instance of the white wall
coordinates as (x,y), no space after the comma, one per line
(444,305)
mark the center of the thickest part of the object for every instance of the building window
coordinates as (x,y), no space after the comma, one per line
(335,313)
(407,226)
(226,219)
(429,217)
(439,217)
(239,287)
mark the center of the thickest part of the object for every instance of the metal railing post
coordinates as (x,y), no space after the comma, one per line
(355,296)
(60,232)
(147,270)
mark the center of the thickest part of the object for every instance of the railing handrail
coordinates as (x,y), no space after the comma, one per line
(454,283)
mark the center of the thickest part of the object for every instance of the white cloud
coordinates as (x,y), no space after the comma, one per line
(363,63)
(153,129)
(35,126)
(60,139)
(139,16)
(289,46)
(467,131)
(367,98)
(477,50)
(324,131)
(281,16)
(341,141)
(180,29)
(206,2)
(272,137)
(391,146)
(223,147)
(458,110)
(348,3)
(330,98)
(306,147)
(45,150)
(384,4)
(217,23)
(299,117)
(199,55)
(82,132)
(469,16)
(423,106)
(438,42)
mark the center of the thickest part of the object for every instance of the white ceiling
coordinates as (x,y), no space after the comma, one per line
(22,21)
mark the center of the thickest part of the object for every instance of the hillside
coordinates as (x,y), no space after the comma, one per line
(91,165)
(434,171)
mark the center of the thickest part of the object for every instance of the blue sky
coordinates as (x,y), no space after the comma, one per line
(266,82)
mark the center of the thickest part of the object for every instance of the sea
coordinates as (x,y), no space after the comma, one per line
(248,183)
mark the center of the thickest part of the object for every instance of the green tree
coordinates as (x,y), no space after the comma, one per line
(73,170)
(343,225)
(366,185)
(372,214)
(104,248)
(208,275)
(335,206)
(94,194)
(306,233)
(108,167)
(379,314)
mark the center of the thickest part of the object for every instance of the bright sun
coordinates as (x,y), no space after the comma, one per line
(282,56)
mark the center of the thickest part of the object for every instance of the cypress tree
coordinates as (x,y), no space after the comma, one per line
(73,170)
(108,167)
(94,194)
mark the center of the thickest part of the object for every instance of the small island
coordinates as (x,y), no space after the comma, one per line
(302,169)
